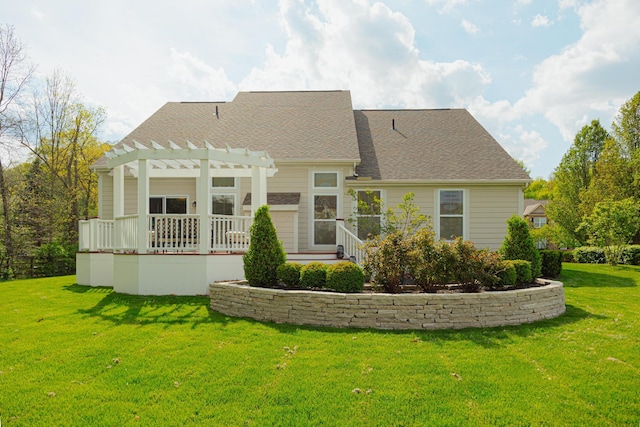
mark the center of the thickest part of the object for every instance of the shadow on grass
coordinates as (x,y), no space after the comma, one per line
(124,309)
(494,337)
(583,276)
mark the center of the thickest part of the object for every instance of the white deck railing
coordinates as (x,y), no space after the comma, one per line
(125,233)
(165,233)
(229,233)
(350,242)
(95,235)
(171,233)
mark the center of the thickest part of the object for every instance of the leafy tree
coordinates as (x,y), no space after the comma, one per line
(15,72)
(572,178)
(539,189)
(265,253)
(626,130)
(518,244)
(612,225)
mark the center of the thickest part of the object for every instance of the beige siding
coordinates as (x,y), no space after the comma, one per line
(283,221)
(105,197)
(489,209)
(175,187)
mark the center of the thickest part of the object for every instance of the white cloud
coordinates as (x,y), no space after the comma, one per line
(540,21)
(470,27)
(446,5)
(366,48)
(197,80)
(590,78)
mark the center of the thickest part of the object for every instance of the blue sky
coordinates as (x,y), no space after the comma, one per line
(533,72)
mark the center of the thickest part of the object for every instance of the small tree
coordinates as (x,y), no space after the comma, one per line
(265,253)
(518,244)
(612,225)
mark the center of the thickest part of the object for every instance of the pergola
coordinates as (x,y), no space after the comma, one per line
(202,163)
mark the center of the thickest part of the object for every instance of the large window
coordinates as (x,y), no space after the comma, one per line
(160,205)
(325,207)
(369,213)
(451,214)
(223,197)
(539,221)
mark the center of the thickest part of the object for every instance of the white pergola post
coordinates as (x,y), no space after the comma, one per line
(258,188)
(143,206)
(118,191)
(202,206)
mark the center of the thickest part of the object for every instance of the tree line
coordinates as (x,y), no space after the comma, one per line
(48,140)
(594,193)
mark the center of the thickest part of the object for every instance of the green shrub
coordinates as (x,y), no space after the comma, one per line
(589,255)
(630,255)
(289,274)
(55,259)
(313,275)
(345,276)
(551,263)
(389,259)
(518,244)
(265,253)
(507,275)
(523,271)
(567,256)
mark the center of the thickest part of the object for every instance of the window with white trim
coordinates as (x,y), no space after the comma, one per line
(223,195)
(539,221)
(161,205)
(368,213)
(451,214)
(324,207)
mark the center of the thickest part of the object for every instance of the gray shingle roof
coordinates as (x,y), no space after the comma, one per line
(425,145)
(430,145)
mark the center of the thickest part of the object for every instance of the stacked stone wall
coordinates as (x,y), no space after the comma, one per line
(389,311)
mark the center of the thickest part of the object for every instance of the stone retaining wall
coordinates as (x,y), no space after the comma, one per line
(389,311)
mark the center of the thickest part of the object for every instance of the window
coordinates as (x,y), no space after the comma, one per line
(168,205)
(325,207)
(539,221)
(223,198)
(369,213)
(451,214)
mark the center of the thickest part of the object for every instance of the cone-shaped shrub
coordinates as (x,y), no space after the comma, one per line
(265,253)
(518,244)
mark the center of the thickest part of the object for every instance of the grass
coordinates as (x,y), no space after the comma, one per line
(72,355)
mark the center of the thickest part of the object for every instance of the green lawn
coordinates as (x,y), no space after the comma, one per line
(72,355)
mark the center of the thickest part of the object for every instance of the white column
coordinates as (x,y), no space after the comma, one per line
(202,206)
(258,188)
(143,206)
(118,191)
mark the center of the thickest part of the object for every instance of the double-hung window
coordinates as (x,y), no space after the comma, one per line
(451,214)
(223,195)
(325,207)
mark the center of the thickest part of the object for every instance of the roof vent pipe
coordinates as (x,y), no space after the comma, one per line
(393,124)
(217,115)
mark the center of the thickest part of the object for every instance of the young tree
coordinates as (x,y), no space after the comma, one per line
(612,225)
(518,244)
(15,72)
(265,253)
(539,189)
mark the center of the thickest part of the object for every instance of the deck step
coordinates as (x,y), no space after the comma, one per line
(305,258)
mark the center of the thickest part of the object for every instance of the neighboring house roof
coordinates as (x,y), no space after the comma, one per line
(447,144)
(534,207)
(321,126)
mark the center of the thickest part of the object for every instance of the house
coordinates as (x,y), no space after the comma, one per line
(535,215)
(198,170)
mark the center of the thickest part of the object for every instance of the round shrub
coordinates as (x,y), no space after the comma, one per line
(507,275)
(589,255)
(523,271)
(313,275)
(289,274)
(345,277)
